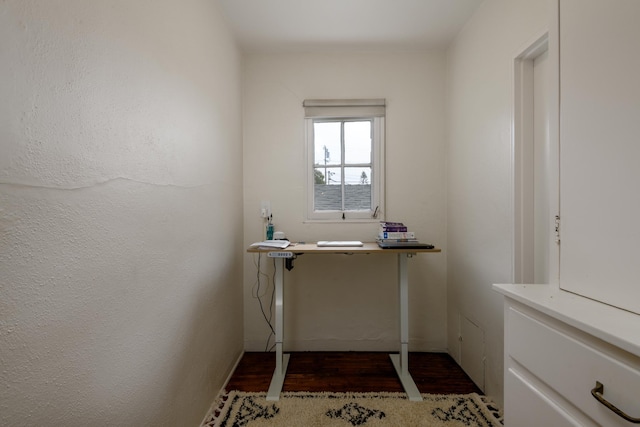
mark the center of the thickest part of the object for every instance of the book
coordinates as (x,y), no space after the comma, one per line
(396,235)
(400,228)
(392,227)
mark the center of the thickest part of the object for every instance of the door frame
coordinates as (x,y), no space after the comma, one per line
(522,149)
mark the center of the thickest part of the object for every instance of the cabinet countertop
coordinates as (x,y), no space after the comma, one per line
(615,326)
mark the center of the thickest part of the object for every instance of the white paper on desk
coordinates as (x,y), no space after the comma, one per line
(271,244)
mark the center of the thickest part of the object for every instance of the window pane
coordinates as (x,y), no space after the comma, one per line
(357,142)
(357,176)
(327,189)
(326,137)
(357,191)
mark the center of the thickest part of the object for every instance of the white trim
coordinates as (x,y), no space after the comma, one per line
(221,392)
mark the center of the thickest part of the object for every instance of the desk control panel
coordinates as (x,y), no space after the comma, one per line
(280,254)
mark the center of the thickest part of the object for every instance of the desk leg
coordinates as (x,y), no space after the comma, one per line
(282,360)
(401,361)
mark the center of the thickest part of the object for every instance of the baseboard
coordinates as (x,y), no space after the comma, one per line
(233,369)
(390,346)
(221,392)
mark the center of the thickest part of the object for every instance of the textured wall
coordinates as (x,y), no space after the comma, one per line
(120,170)
(480,213)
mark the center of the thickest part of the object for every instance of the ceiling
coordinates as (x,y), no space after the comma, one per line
(310,25)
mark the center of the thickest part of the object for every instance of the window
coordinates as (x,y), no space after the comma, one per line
(345,165)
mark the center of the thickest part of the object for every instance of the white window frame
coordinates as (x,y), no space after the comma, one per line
(346,110)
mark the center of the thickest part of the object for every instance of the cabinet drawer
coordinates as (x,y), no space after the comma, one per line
(526,406)
(570,364)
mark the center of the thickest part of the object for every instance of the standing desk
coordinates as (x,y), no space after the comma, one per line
(282,256)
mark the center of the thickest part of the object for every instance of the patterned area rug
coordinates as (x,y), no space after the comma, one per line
(298,409)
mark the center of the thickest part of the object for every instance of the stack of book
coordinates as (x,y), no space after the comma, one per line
(395,232)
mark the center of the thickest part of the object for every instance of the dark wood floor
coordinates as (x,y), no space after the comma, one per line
(435,373)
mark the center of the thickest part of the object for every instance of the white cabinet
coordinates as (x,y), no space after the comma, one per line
(558,347)
(561,342)
(599,43)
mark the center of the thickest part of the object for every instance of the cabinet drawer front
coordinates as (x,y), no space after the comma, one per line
(526,406)
(571,367)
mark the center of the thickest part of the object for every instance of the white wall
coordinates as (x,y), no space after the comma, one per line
(346,302)
(480,178)
(120,171)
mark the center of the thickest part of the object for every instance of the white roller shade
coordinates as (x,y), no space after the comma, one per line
(341,108)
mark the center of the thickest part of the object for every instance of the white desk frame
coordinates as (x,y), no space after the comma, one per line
(400,360)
